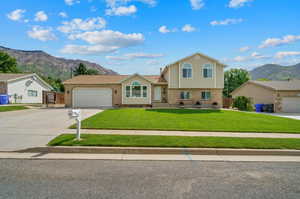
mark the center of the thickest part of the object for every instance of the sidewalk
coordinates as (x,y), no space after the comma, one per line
(124,157)
(185,133)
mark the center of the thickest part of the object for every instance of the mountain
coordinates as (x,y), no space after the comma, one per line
(276,72)
(42,63)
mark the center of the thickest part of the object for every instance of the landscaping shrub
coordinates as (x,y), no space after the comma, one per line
(242,103)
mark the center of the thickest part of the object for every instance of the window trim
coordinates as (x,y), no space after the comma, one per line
(204,66)
(183,66)
(141,90)
(31,93)
(206,99)
(190,95)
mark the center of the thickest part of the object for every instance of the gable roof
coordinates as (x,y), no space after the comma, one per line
(9,77)
(280,85)
(289,85)
(110,79)
(4,77)
(200,54)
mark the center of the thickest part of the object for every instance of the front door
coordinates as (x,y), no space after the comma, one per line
(157,93)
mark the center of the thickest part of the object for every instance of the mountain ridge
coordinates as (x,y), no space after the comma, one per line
(45,64)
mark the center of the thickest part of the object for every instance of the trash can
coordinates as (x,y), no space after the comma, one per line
(3,99)
(269,108)
(259,107)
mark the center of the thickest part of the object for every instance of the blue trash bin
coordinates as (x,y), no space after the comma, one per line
(3,99)
(259,107)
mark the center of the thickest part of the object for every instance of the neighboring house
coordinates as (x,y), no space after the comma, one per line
(23,88)
(285,95)
(197,78)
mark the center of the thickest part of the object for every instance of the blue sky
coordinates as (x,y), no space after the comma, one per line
(141,36)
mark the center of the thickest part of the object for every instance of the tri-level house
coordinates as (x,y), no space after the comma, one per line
(193,80)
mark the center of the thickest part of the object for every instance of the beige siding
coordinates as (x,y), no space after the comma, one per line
(282,94)
(116,93)
(197,80)
(216,96)
(258,94)
(137,100)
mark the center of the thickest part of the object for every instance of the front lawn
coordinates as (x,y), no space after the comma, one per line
(190,120)
(175,141)
(12,108)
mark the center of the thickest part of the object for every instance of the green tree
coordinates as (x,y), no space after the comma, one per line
(233,79)
(8,64)
(92,71)
(80,70)
(55,83)
(83,70)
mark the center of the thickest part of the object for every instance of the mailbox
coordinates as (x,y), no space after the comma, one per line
(74,113)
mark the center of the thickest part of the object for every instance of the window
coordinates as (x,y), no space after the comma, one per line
(144,91)
(32,93)
(187,70)
(185,95)
(136,90)
(128,91)
(207,70)
(206,95)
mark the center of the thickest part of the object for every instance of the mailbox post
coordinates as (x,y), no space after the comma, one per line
(75,113)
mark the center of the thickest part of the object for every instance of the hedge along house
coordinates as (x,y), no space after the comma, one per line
(285,95)
(196,78)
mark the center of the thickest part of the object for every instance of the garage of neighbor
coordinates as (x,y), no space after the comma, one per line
(291,104)
(92,97)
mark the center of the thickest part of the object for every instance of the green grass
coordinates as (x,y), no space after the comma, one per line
(190,120)
(175,141)
(12,108)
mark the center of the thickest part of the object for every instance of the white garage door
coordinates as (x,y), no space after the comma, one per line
(92,97)
(291,104)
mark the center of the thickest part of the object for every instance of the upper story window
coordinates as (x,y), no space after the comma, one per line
(207,70)
(187,70)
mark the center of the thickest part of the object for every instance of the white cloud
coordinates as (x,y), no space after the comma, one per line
(41,16)
(121,11)
(271,42)
(245,49)
(284,54)
(153,62)
(82,25)
(16,15)
(88,50)
(110,38)
(252,57)
(131,56)
(63,14)
(42,34)
(116,3)
(71,2)
(197,4)
(256,55)
(164,29)
(238,3)
(226,22)
(188,28)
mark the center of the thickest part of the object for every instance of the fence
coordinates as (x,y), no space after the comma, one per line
(227,102)
(51,97)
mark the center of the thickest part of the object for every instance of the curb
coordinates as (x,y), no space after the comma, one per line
(167,151)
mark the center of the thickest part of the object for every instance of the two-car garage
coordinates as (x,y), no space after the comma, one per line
(92,97)
(291,104)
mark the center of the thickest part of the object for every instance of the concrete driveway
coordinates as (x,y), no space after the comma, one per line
(34,127)
(295,116)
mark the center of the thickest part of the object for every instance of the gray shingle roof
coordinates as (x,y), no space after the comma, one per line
(280,85)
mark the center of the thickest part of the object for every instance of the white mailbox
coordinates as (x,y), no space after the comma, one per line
(76,113)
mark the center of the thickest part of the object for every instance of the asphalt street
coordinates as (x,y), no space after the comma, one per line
(147,179)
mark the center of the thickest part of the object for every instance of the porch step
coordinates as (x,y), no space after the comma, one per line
(160,105)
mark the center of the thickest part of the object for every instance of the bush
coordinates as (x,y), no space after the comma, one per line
(181,103)
(242,103)
(215,103)
(198,103)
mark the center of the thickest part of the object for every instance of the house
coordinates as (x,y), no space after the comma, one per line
(285,95)
(196,78)
(23,88)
